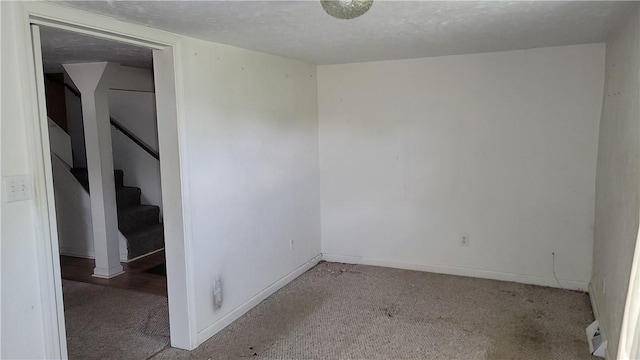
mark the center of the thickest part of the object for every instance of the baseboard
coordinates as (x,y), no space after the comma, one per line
(79,253)
(143,255)
(460,271)
(594,304)
(88,254)
(223,322)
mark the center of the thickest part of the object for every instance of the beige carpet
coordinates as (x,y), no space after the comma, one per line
(337,311)
(111,323)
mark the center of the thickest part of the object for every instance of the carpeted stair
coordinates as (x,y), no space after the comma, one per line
(139,223)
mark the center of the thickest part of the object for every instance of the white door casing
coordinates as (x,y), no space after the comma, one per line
(174,189)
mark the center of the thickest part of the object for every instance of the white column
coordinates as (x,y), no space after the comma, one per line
(93,81)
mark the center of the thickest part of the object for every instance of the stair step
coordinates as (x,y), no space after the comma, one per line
(135,218)
(146,240)
(127,196)
(139,223)
(118,176)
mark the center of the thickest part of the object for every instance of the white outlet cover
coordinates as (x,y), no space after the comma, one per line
(17,188)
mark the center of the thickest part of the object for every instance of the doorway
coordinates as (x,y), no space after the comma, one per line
(182,324)
(101,319)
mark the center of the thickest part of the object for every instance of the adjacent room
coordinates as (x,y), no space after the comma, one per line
(339,179)
(132,324)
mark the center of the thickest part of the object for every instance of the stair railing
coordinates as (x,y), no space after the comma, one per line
(134,138)
(121,128)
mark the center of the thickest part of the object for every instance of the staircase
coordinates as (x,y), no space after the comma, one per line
(139,223)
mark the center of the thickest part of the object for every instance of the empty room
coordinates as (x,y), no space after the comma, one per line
(339,180)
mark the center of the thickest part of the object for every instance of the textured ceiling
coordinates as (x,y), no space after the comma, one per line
(63,47)
(390,30)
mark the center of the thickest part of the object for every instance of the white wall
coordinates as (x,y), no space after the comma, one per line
(136,111)
(22,322)
(250,142)
(500,146)
(73,213)
(618,178)
(252,151)
(133,79)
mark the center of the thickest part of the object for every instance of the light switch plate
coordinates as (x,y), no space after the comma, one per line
(17,188)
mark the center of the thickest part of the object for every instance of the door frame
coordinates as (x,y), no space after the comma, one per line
(629,345)
(174,177)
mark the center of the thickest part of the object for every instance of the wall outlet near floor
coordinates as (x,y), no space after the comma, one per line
(464,239)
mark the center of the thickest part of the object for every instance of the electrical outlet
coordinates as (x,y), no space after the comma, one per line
(17,188)
(291,245)
(464,239)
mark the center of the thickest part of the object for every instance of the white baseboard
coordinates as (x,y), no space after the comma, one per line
(594,304)
(88,254)
(141,256)
(79,253)
(223,322)
(460,271)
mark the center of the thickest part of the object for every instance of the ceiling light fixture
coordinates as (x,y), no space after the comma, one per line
(346,9)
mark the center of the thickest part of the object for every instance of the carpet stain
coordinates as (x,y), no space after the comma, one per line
(389,311)
(530,335)
(524,336)
(345,269)
(509,292)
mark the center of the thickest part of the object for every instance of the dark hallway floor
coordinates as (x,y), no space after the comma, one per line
(136,276)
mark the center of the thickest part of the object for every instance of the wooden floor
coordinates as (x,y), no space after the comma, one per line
(134,277)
